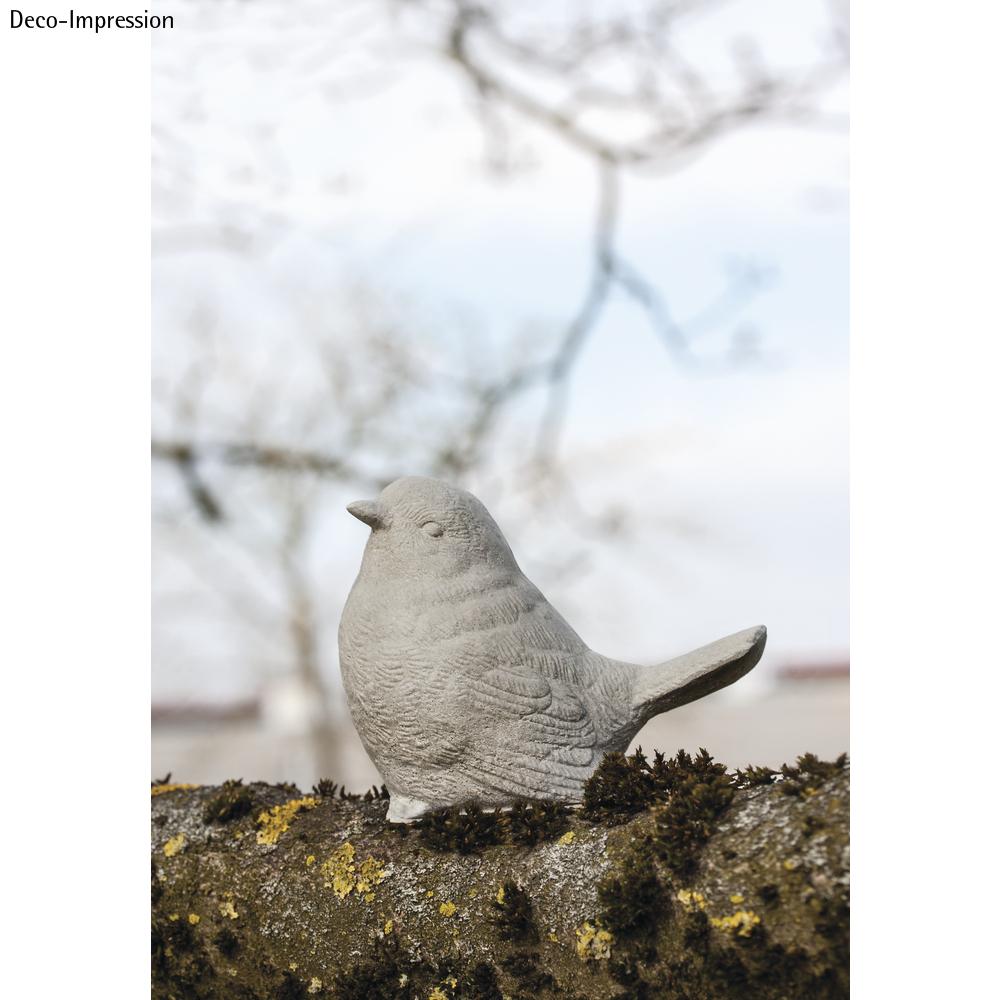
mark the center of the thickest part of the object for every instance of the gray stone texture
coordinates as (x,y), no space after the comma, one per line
(466,685)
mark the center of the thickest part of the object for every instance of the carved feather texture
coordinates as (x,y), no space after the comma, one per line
(464,682)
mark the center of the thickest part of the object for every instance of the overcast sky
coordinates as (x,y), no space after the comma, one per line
(388,189)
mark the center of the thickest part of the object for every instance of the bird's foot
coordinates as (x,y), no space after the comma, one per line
(403,809)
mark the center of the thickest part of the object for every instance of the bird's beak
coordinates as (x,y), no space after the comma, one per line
(369,511)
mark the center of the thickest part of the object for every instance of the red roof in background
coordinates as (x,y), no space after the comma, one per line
(838,670)
(191,713)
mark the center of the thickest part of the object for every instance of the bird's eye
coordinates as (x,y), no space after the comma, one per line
(432,528)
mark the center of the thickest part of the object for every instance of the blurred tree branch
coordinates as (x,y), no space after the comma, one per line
(614,86)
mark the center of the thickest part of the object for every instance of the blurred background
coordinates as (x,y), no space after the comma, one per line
(586,259)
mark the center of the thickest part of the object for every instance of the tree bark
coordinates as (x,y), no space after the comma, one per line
(261,892)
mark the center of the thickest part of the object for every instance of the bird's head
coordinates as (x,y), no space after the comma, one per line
(426,525)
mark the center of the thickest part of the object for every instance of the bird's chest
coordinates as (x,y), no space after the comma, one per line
(406,681)
(396,653)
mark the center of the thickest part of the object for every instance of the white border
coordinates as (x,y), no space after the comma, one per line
(74,527)
(925,501)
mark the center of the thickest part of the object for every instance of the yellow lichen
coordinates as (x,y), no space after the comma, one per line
(447,909)
(275,821)
(228,910)
(452,982)
(339,869)
(473,893)
(593,943)
(372,872)
(437,994)
(742,922)
(567,838)
(344,877)
(388,927)
(174,916)
(174,845)
(736,898)
(315,985)
(789,864)
(553,937)
(311,860)
(691,900)
(293,966)
(193,918)
(500,895)
(162,789)
(429,894)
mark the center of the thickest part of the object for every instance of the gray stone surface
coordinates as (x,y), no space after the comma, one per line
(465,684)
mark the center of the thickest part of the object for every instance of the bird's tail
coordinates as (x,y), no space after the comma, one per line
(693,675)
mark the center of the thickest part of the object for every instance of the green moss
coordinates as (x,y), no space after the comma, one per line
(754,967)
(694,792)
(702,964)
(633,902)
(522,966)
(480,983)
(513,915)
(392,974)
(692,954)
(377,793)
(833,926)
(290,988)
(530,823)
(695,931)
(634,907)
(387,975)
(768,893)
(466,829)
(707,967)
(628,975)
(754,777)
(178,959)
(620,787)
(327,789)
(234,801)
(469,829)
(227,943)
(701,791)
(809,773)
(625,785)
(690,794)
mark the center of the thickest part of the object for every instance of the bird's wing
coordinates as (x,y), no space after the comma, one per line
(538,739)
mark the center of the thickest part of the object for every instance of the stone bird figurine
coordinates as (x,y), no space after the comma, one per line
(465,684)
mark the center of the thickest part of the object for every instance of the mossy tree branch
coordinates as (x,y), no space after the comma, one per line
(719,886)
